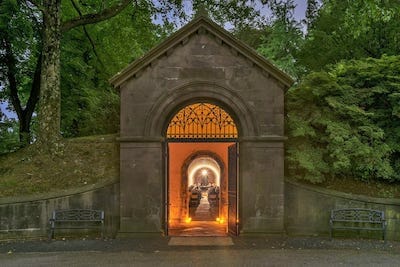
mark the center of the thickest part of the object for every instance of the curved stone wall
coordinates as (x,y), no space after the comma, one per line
(23,217)
(307,209)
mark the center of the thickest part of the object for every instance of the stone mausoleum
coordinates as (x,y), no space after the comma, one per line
(202,137)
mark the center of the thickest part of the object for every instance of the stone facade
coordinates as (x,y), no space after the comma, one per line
(202,62)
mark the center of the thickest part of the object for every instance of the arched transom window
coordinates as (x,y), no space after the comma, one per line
(202,121)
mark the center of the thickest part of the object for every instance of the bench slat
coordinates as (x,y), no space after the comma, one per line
(357,219)
(76,216)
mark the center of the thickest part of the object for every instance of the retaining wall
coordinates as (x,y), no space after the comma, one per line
(29,216)
(307,210)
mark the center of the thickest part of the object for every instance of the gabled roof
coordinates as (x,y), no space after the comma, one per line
(201,23)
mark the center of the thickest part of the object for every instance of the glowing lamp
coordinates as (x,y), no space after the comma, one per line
(188,220)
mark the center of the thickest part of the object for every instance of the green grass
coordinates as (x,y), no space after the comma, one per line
(94,159)
(83,161)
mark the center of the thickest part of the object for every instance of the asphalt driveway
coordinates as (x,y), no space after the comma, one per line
(246,251)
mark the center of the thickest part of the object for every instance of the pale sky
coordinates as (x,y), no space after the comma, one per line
(301,7)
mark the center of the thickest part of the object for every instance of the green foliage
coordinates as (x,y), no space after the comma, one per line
(345,122)
(238,13)
(19,51)
(351,29)
(280,44)
(282,38)
(9,139)
(90,56)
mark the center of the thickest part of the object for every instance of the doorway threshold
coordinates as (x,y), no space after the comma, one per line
(211,241)
(199,229)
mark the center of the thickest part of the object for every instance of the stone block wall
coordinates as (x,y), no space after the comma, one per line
(307,210)
(28,217)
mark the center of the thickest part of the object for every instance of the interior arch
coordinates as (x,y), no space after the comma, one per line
(203,164)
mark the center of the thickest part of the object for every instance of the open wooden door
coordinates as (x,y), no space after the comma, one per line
(233,211)
(166,189)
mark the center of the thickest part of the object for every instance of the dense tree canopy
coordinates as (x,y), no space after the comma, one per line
(345,122)
(351,29)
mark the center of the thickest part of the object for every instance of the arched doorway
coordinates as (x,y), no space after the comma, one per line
(201,63)
(202,172)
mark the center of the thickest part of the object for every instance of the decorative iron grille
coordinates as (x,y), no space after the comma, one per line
(202,121)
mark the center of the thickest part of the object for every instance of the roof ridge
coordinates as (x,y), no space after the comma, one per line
(183,33)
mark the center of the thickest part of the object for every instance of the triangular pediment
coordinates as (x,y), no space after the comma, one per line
(201,24)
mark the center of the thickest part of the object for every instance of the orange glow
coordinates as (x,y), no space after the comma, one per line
(221,221)
(179,209)
(188,219)
(202,120)
(218,219)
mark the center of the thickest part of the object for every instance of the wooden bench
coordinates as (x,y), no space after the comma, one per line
(358,219)
(76,219)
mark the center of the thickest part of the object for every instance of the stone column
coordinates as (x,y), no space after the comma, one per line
(142,179)
(261,176)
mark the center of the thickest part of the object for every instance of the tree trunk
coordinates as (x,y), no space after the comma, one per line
(24,130)
(50,96)
(49,137)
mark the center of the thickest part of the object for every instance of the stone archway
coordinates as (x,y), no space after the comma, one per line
(200,131)
(201,62)
(170,102)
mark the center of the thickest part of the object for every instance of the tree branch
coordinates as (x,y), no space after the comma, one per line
(35,89)
(12,81)
(76,7)
(95,17)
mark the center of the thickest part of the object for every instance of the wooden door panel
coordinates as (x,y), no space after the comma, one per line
(232,191)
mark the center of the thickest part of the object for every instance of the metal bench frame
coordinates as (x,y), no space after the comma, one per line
(357,219)
(76,219)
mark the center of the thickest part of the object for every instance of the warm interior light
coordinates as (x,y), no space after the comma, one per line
(221,221)
(218,219)
(188,220)
(204,172)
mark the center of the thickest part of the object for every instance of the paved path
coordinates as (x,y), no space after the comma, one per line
(198,257)
(244,252)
